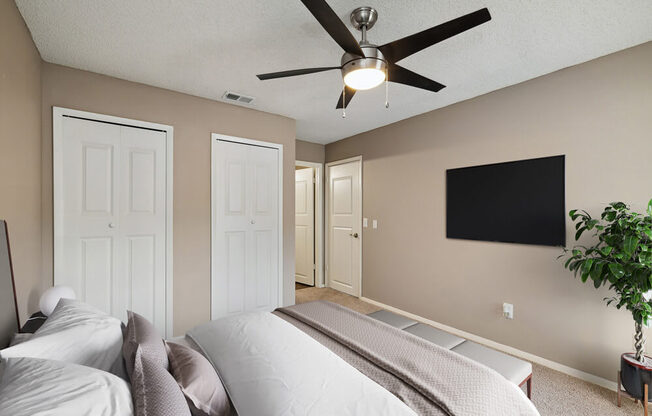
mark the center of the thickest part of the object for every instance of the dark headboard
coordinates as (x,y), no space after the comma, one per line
(8,308)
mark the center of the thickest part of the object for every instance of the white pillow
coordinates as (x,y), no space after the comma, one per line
(75,333)
(36,387)
(20,337)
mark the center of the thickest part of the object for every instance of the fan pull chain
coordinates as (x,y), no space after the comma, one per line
(386,88)
(343,100)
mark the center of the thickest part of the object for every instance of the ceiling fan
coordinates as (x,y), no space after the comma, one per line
(365,65)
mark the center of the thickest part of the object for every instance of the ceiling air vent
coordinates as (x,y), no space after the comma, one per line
(234,96)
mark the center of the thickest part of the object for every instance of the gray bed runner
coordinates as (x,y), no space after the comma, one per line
(430,379)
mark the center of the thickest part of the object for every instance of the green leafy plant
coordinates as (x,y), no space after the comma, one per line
(621,257)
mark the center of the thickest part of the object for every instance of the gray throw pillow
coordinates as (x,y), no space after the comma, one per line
(141,333)
(199,381)
(154,390)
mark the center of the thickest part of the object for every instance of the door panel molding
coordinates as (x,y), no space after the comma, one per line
(355,209)
(58,116)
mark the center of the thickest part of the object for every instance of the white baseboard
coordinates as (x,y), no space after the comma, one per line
(582,375)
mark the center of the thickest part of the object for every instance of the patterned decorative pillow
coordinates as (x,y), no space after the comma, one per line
(199,381)
(141,333)
(154,390)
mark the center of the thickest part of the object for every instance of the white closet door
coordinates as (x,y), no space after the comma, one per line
(110,231)
(304,226)
(86,243)
(141,227)
(245,229)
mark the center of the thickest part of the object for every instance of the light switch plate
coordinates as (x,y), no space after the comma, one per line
(374,224)
(365,222)
(508,310)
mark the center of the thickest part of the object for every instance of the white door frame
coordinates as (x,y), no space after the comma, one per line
(319,219)
(58,113)
(327,204)
(214,138)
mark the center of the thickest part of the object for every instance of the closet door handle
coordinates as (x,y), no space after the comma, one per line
(354,235)
(111,225)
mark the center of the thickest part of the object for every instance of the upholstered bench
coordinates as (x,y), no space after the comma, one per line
(390,318)
(515,370)
(434,335)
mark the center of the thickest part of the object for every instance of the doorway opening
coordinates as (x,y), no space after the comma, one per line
(309,219)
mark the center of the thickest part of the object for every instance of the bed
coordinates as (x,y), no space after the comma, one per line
(316,358)
(291,360)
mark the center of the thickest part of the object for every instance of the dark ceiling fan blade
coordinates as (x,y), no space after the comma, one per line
(402,48)
(295,72)
(349,94)
(405,76)
(333,25)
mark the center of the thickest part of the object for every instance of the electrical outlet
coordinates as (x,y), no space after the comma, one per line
(374,224)
(365,223)
(508,311)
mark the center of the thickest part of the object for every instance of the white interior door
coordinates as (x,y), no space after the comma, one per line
(304,225)
(245,249)
(344,232)
(110,217)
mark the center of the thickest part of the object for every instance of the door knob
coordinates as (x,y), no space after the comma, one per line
(111,225)
(354,235)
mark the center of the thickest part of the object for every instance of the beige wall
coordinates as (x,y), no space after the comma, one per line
(310,152)
(193,119)
(599,115)
(20,152)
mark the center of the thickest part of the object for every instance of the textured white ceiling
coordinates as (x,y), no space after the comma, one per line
(205,47)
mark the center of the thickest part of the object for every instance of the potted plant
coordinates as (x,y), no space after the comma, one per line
(622,257)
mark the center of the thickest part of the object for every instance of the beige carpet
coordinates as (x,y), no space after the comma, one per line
(553,393)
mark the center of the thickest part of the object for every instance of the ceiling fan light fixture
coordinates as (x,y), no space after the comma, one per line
(364,78)
(364,73)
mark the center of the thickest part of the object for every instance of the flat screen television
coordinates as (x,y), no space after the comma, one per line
(513,202)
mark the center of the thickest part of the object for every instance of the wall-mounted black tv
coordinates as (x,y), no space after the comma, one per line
(513,202)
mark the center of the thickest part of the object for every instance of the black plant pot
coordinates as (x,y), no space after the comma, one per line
(634,375)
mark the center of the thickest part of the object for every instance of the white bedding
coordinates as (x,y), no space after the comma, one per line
(75,333)
(269,367)
(38,387)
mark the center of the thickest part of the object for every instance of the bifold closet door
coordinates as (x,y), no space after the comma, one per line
(245,249)
(110,226)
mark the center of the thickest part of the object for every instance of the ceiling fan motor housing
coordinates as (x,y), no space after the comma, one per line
(373,59)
